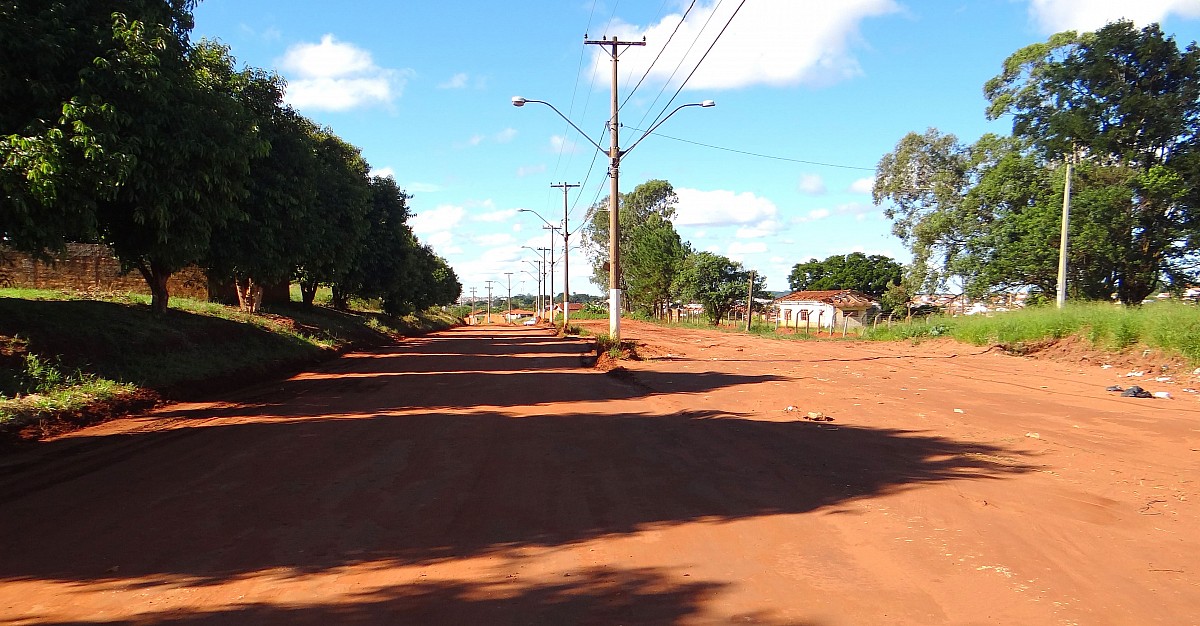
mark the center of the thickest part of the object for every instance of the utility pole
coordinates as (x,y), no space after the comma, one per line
(1061,298)
(548,276)
(537,266)
(614,155)
(489,306)
(472,304)
(750,301)
(508,313)
(566,261)
(553,230)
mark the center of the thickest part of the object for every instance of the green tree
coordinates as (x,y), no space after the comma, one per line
(265,245)
(1119,97)
(655,254)
(339,222)
(188,142)
(118,128)
(653,197)
(867,274)
(716,282)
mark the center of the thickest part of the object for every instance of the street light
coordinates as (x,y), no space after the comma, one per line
(614,153)
(566,239)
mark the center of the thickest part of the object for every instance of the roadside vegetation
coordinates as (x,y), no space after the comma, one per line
(1170,327)
(62,356)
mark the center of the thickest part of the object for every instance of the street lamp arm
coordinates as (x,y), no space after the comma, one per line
(518,101)
(539,217)
(705,104)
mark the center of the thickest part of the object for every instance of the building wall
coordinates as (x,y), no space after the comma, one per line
(90,268)
(808,314)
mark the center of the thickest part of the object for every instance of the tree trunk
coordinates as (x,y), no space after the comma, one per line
(156,278)
(341,299)
(249,294)
(308,292)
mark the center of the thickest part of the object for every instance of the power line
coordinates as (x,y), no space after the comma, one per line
(660,53)
(700,62)
(681,60)
(759,154)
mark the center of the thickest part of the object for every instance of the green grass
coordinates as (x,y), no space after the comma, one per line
(58,351)
(1170,327)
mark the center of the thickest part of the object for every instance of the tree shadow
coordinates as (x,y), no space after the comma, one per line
(343,469)
(206,503)
(592,596)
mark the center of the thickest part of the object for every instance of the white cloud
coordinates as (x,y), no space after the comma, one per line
(436,220)
(458,81)
(384,172)
(496,216)
(762,229)
(747,247)
(527,170)
(1052,16)
(862,185)
(811,184)
(772,42)
(722,208)
(422,187)
(506,135)
(475,140)
(857,208)
(497,239)
(813,215)
(338,76)
(442,242)
(561,144)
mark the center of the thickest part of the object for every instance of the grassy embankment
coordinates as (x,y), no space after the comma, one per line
(66,357)
(1172,328)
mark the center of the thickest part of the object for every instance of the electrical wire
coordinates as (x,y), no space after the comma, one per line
(682,58)
(659,56)
(699,63)
(759,154)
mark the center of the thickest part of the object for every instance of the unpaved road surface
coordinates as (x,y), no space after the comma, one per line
(486,476)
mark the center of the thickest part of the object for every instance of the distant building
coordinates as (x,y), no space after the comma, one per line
(824,309)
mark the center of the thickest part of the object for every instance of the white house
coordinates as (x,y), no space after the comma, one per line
(824,309)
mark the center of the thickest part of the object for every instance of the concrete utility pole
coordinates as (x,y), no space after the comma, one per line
(489,306)
(1061,298)
(566,257)
(508,313)
(472,305)
(548,275)
(537,266)
(749,301)
(553,230)
(614,156)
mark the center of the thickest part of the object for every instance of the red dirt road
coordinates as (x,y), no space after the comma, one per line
(485,476)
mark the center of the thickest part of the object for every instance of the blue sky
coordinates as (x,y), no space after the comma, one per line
(823,89)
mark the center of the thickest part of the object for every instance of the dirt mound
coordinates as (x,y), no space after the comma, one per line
(1078,350)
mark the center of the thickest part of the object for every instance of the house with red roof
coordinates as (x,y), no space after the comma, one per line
(824,309)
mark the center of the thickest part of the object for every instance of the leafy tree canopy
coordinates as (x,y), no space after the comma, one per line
(857,271)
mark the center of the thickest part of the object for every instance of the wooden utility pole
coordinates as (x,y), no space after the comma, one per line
(614,156)
(566,256)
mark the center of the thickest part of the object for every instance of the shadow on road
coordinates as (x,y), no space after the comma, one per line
(323,477)
(596,596)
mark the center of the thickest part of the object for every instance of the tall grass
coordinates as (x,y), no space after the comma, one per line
(1171,327)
